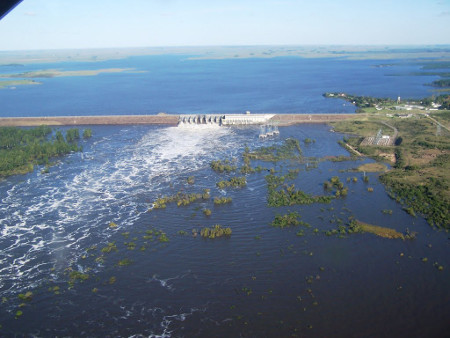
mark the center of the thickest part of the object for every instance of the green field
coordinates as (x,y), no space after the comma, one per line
(420,158)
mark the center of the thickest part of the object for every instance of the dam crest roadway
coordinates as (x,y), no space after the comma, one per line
(172,119)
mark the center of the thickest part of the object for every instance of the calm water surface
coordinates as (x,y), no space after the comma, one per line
(262,281)
(179,84)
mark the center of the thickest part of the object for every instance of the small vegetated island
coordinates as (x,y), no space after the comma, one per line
(29,78)
(443,83)
(413,136)
(22,149)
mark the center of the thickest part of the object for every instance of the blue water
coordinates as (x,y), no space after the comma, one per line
(260,282)
(180,84)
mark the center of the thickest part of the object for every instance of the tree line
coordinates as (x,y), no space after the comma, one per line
(21,149)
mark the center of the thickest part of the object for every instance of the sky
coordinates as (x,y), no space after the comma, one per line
(62,24)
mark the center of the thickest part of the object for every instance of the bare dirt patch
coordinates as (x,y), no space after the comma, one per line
(373,167)
(388,156)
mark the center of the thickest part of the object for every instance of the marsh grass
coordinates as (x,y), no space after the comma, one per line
(358,226)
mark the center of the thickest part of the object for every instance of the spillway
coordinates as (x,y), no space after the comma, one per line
(225,119)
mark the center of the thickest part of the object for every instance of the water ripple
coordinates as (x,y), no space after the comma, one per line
(50,219)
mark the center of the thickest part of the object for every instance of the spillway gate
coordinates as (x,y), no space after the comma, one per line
(228,119)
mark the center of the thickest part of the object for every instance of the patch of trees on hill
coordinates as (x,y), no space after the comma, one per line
(443,100)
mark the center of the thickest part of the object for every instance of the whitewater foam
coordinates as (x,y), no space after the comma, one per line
(49,219)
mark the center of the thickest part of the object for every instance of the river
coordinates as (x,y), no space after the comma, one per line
(260,281)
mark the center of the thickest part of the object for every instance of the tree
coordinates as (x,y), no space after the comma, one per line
(87,133)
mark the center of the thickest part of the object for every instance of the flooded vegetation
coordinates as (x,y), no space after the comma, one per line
(357,226)
(235,182)
(220,166)
(255,253)
(181,199)
(288,220)
(215,231)
(222,200)
(288,150)
(22,149)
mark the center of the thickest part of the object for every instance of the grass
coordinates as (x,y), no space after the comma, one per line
(361,125)
(378,230)
(442,117)
(420,178)
(372,167)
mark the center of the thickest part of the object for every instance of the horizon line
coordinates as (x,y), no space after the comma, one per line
(440,45)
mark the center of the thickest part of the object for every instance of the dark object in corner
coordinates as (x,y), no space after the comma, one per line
(6,6)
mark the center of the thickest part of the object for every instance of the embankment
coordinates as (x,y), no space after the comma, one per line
(88,120)
(280,119)
(290,119)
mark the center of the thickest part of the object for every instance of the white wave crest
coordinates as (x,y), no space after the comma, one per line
(50,219)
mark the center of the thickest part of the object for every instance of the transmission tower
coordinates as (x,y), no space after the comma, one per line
(378,137)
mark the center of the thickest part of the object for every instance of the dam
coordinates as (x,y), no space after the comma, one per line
(172,119)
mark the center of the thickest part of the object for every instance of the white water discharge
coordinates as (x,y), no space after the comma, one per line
(47,221)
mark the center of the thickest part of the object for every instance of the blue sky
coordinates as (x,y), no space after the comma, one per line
(57,24)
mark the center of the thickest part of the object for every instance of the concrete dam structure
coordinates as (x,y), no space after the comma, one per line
(201,119)
(225,120)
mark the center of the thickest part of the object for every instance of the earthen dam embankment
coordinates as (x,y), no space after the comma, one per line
(168,119)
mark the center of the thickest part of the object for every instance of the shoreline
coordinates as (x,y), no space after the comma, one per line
(279,119)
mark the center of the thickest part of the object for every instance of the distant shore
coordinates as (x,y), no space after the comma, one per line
(19,58)
(279,119)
